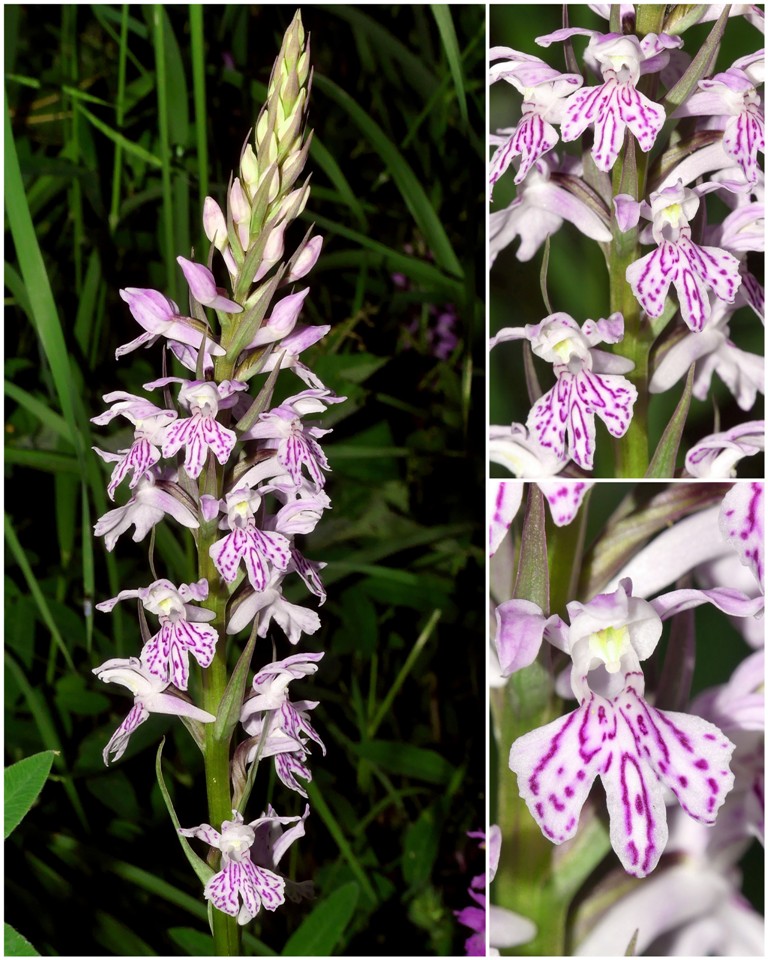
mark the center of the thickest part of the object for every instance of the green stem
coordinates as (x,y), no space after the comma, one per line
(226,932)
(632,454)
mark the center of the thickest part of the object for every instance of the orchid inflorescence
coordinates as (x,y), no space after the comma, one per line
(658,132)
(246,476)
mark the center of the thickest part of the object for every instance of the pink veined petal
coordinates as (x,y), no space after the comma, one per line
(651,275)
(691,293)
(286,765)
(156,653)
(299,449)
(119,739)
(143,339)
(743,137)
(308,571)
(643,117)
(564,499)
(501,160)
(609,132)
(204,832)
(199,639)
(227,552)
(268,887)
(519,632)
(179,434)
(581,425)
(611,397)
(222,889)
(689,755)
(260,547)
(549,416)
(583,109)
(166,655)
(532,139)
(742,524)
(506,496)
(638,817)
(140,457)
(715,267)
(219,439)
(556,766)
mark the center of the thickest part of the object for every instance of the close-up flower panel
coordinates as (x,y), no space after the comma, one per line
(658,769)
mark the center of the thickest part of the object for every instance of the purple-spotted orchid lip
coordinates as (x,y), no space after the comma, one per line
(635,749)
(589,384)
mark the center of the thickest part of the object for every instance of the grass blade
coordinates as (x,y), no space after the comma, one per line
(318,804)
(406,180)
(442,15)
(34,588)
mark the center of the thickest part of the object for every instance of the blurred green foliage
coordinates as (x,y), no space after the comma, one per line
(123,119)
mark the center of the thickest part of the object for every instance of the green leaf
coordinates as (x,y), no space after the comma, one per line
(320,807)
(442,15)
(16,945)
(228,713)
(699,67)
(543,278)
(682,16)
(324,928)
(327,162)
(40,710)
(635,523)
(407,760)
(201,868)
(410,661)
(532,581)
(117,138)
(34,587)
(407,182)
(665,458)
(40,409)
(194,943)
(420,845)
(23,782)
